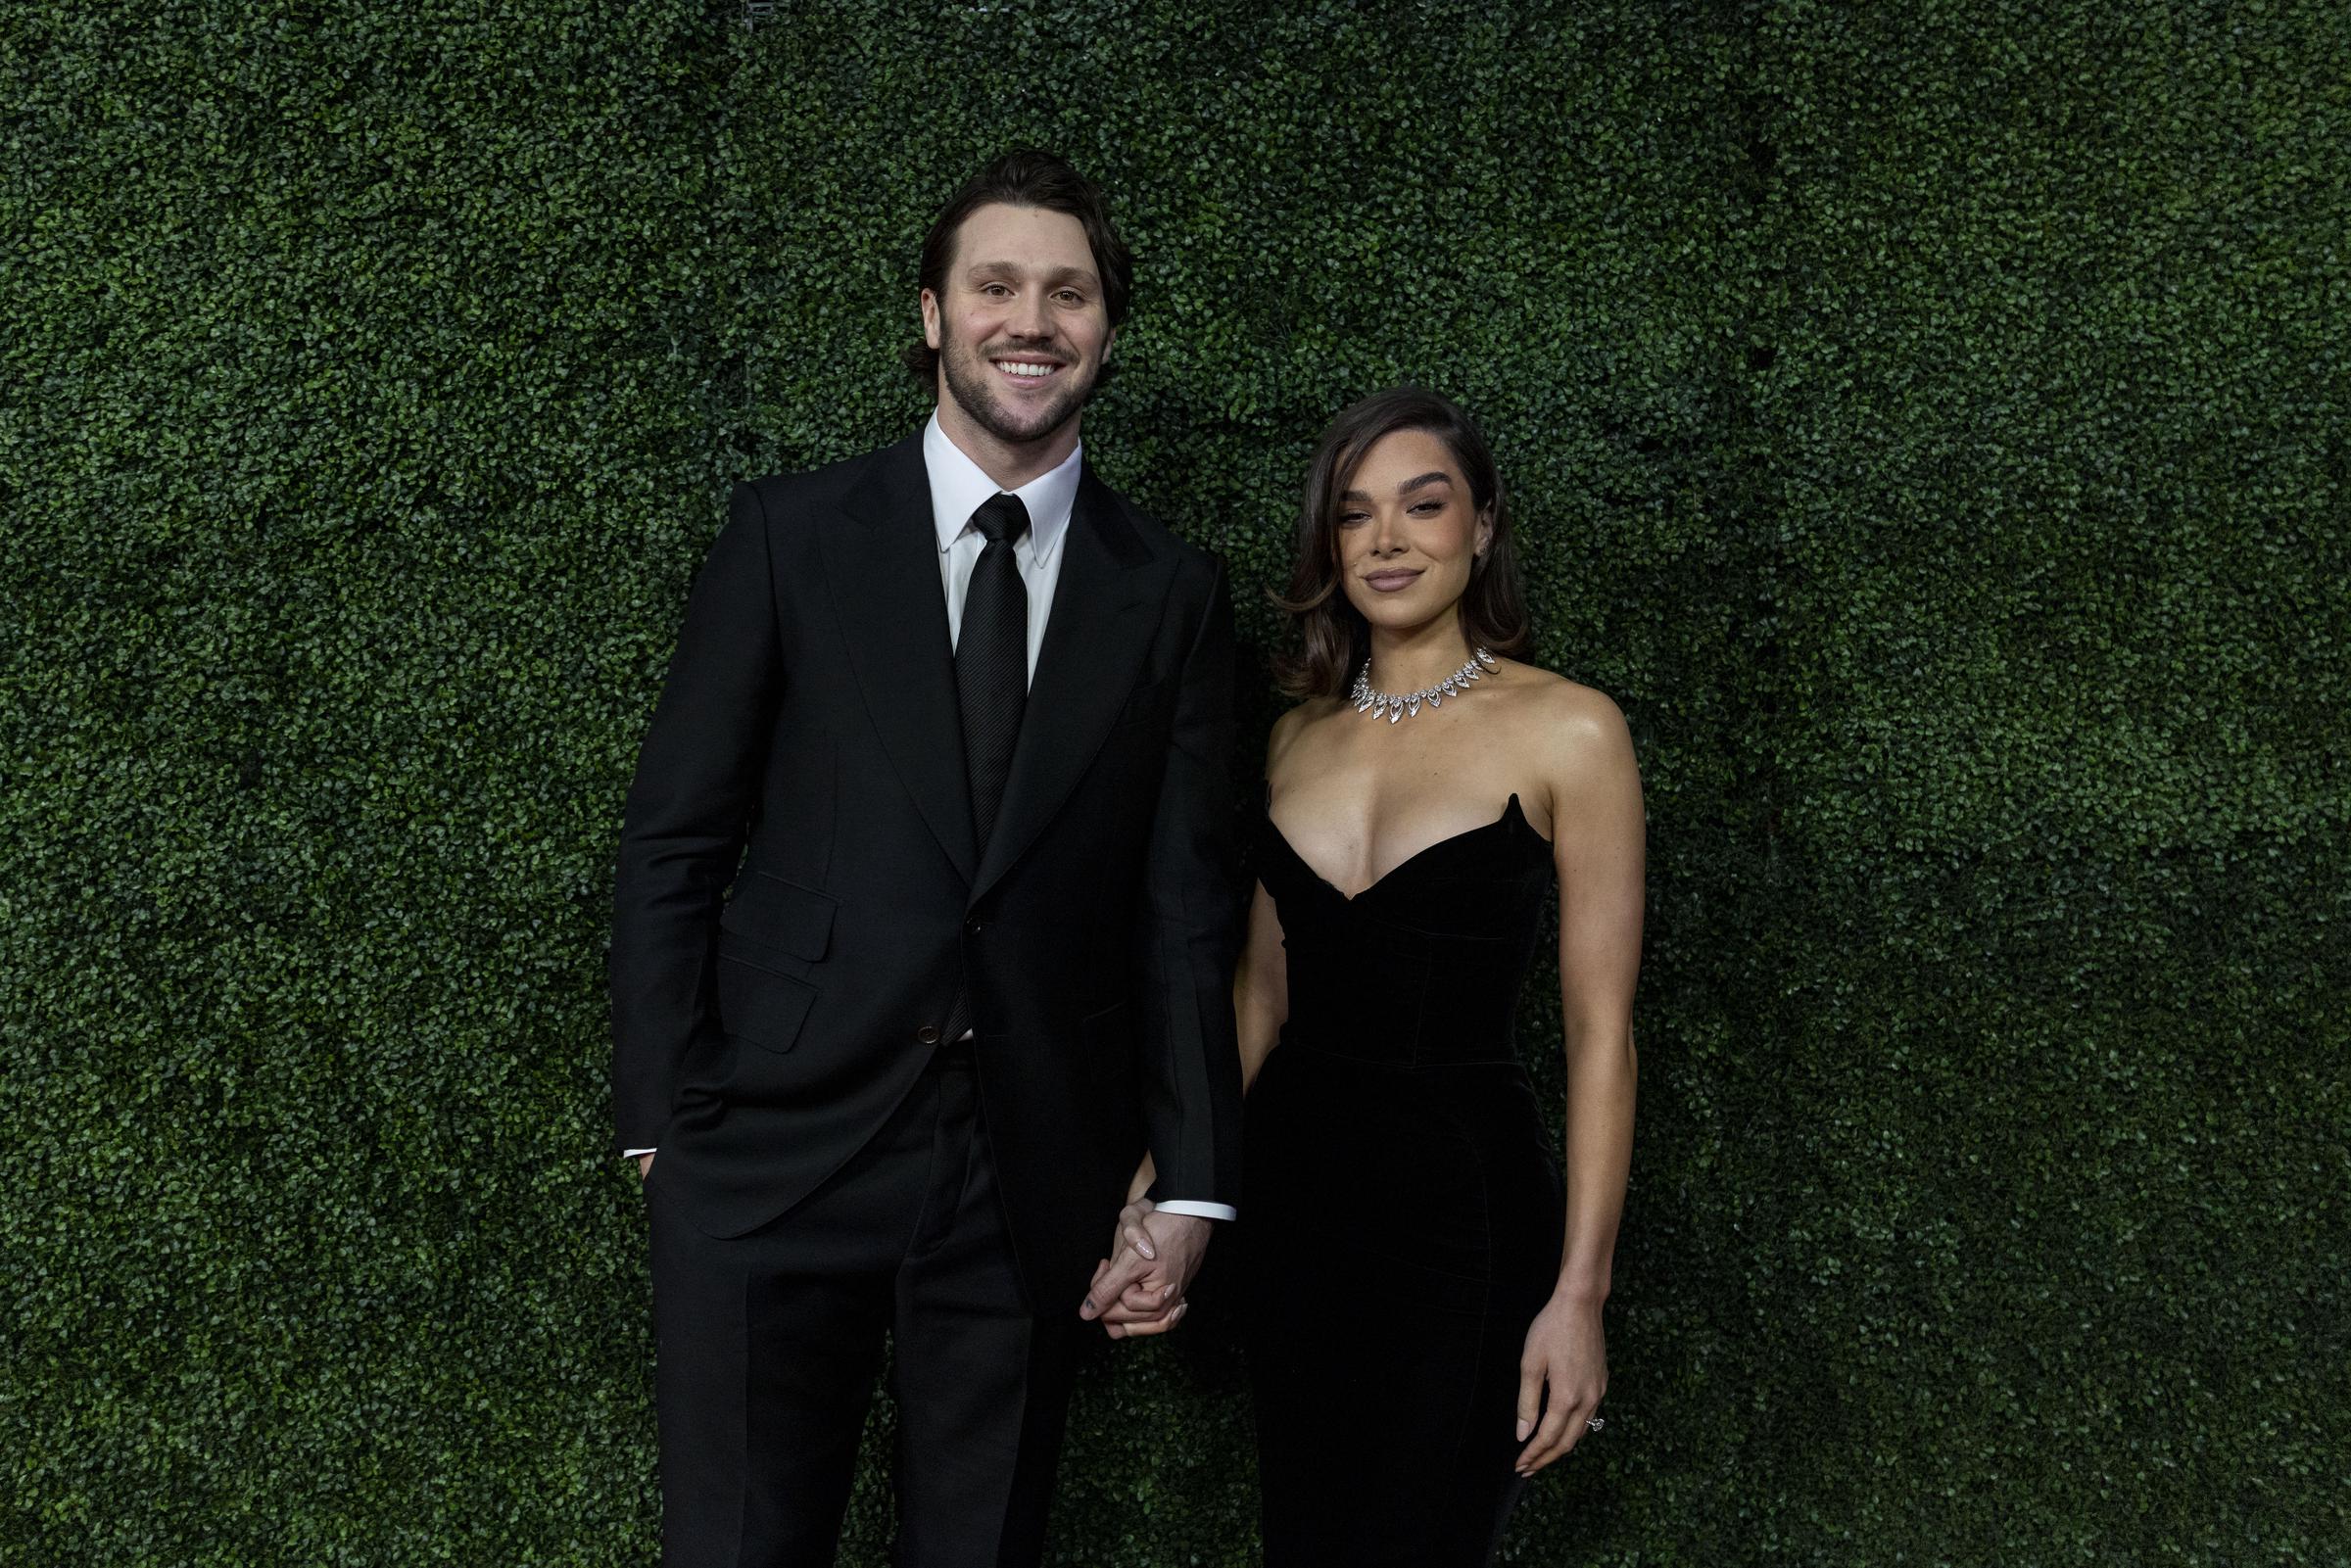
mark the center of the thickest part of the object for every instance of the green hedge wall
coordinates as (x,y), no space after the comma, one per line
(1928,420)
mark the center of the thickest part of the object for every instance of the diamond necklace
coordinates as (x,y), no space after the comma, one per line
(1396,707)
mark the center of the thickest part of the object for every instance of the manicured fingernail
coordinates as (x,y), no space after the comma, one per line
(1524,1427)
(1181,1308)
(1146,1250)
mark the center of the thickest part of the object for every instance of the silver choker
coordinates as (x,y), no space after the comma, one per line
(1366,700)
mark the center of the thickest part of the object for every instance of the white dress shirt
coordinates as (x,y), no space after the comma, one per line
(958,487)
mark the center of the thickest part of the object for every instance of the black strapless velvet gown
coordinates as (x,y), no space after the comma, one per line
(1403,1214)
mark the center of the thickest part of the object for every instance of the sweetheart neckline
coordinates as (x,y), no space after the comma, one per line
(1510,808)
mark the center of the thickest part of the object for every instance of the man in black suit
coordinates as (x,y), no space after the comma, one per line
(970,713)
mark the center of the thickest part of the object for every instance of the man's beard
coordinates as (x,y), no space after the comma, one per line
(971,379)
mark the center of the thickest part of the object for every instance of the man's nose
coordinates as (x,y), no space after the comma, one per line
(1029,318)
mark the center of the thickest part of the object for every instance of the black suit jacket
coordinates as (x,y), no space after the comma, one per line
(761,1034)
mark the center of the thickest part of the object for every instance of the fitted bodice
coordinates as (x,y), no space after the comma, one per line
(1424,968)
(1395,1125)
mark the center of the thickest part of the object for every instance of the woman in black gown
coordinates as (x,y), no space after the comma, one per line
(1422,1291)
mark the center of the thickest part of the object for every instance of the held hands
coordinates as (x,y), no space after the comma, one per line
(1563,1372)
(644,1165)
(1139,1289)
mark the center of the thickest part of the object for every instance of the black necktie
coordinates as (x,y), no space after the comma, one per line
(991,658)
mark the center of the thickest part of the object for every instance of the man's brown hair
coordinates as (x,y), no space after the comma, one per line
(1027,178)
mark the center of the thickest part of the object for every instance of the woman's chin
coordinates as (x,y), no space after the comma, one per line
(1400,613)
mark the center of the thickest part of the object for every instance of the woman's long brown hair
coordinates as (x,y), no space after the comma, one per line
(1333,638)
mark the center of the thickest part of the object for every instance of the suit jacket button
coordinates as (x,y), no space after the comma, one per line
(975,926)
(927,1034)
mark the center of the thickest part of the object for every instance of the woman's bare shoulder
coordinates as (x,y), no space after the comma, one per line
(1577,728)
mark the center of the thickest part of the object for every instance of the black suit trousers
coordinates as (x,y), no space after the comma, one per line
(769,1343)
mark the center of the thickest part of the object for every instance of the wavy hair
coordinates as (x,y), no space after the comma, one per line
(1332,637)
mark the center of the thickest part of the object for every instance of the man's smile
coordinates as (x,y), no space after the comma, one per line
(1027,369)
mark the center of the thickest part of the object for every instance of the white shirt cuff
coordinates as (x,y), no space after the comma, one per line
(1174,1206)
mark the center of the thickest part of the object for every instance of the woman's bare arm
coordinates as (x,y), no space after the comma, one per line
(1261,987)
(1598,848)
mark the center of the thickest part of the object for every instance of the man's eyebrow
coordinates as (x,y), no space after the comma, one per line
(1059,274)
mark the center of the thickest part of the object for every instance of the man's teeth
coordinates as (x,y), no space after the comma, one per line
(1022,368)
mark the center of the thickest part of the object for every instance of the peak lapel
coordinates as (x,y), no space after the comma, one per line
(882,570)
(1105,610)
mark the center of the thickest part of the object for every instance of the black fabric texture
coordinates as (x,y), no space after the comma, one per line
(1386,1426)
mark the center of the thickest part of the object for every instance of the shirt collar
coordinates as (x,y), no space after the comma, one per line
(958,487)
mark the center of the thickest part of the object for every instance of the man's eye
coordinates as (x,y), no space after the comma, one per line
(1070,297)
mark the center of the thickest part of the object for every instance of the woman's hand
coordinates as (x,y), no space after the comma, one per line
(1563,1372)
(1146,1301)
(1142,1306)
(1130,1232)
(1140,1289)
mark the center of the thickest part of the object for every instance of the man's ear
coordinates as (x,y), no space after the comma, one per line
(1108,344)
(931,319)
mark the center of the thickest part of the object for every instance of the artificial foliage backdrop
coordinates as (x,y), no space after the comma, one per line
(1926,419)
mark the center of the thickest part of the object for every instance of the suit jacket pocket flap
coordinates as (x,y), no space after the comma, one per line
(784,914)
(760,1005)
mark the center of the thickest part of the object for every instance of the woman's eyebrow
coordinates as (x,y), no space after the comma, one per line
(1404,489)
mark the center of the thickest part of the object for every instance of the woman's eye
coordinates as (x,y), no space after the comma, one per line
(1426,506)
(1350,519)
